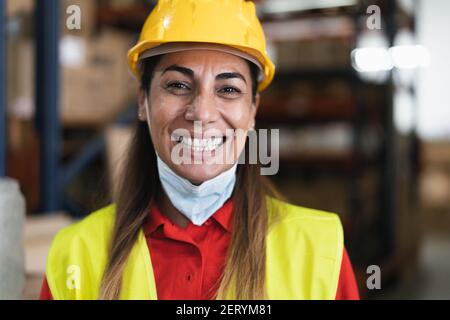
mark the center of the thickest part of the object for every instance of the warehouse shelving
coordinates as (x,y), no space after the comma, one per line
(381,224)
(61,164)
(3,135)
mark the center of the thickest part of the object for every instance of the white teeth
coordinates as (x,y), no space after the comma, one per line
(202,144)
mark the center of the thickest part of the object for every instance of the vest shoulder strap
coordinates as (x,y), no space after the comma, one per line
(304,249)
(78,254)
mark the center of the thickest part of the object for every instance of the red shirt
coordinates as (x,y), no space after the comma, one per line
(187,263)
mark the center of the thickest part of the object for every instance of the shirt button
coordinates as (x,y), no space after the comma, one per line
(189,277)
(208,222)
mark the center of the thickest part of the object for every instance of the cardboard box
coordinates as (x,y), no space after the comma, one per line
(17,7)
(101,88)
(313,54)
(23,143)
(87,10)
(20,86)
(38,235)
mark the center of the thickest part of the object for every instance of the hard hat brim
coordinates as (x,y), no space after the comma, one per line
(149,49)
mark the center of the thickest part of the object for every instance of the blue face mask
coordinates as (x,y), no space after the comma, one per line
(197,203)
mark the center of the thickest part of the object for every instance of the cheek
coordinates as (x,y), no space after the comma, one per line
(163,111)
(240,116)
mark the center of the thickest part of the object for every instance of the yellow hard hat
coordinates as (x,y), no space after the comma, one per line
(231,24)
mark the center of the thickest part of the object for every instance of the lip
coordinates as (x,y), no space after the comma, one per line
(181,138)
(176,139)
(176,136)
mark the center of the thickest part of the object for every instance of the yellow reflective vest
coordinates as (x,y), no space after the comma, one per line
(304,253)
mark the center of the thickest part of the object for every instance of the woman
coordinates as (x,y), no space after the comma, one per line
(183,227)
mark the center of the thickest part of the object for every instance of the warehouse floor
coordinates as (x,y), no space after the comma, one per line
(432,280)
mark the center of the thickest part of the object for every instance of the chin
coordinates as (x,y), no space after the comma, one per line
(209,162)
(197,173)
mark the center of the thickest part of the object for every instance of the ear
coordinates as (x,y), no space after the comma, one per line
(257,100)
(255,106)
(142,115)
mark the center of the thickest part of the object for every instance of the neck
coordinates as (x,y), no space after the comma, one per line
(167,209)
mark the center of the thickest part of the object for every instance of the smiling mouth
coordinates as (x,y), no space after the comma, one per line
(201,145)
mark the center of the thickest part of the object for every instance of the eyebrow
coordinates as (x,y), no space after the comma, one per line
(230,75)
(186,71)
(190,73)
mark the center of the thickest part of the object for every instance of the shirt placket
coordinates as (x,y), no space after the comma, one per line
(191,264)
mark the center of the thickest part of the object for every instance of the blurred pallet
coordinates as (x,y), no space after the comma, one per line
(39,233)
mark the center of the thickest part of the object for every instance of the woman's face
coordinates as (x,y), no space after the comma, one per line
(200,110)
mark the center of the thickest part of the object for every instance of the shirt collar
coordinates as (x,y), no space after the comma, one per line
(156,218)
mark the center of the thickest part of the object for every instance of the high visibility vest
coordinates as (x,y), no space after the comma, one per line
(303,257)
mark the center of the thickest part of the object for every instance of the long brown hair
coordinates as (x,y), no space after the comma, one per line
(244,270)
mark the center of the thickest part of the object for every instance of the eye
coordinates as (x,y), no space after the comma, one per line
(228,90)
(178,87)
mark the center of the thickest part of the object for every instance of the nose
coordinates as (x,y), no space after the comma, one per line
(202,108)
